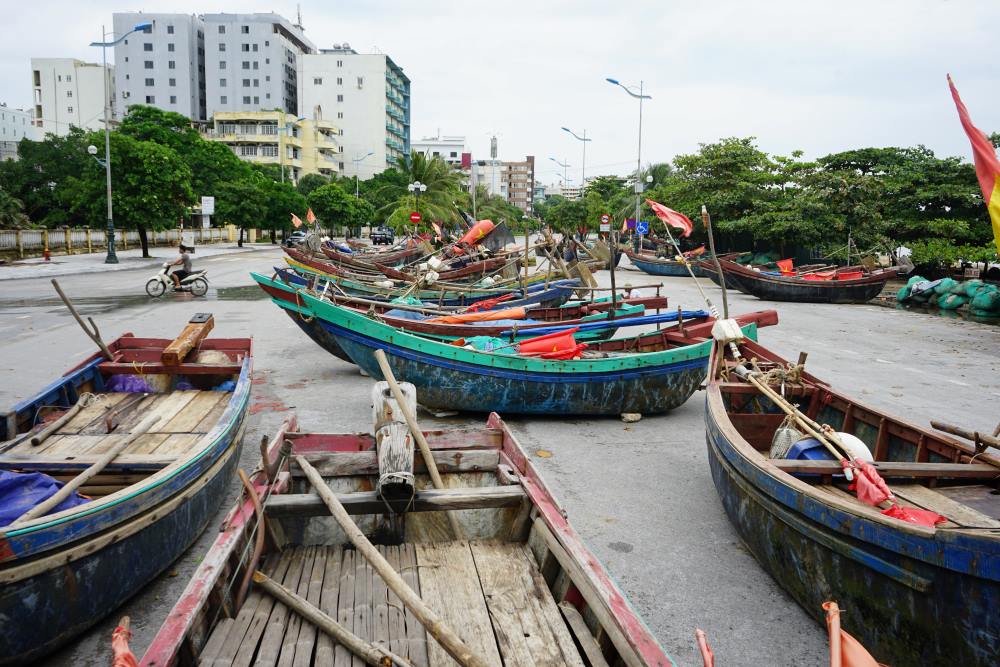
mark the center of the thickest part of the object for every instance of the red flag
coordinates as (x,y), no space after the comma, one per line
(849,649)
(310,216)
(296,221)
(672,217)
(987,165)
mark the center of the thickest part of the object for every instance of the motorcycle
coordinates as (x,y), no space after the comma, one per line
(196,283)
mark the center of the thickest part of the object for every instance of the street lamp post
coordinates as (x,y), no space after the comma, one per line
(416,187)
(583,167)
(638,163)
(564,165)
(357,161)
(112,258)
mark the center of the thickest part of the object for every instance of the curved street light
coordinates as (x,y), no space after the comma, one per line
(112,257)
(357,161)
(583,140)
(638,164)
(564,165)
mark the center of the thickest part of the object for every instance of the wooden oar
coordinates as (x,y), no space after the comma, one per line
(81,403)
(418,435)
(432,622)
(44,507)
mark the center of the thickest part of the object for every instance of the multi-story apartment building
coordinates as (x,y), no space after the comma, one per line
(448,147)
(252,63)
(66,93)
(514,181)
(162,66)
(15,124)
(300,147)
(368,96)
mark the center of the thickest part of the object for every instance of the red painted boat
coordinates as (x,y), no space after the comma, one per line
(512,531)
(847,285)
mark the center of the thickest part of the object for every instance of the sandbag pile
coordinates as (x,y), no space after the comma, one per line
(981,299)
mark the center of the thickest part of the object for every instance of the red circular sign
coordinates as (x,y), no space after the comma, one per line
(415,217)
(605,218)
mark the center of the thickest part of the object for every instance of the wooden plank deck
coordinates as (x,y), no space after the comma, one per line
(491,594)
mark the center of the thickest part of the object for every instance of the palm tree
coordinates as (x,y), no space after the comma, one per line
(436,203)
(12,212)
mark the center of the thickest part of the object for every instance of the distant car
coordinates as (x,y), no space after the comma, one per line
(295,238)
(382,236)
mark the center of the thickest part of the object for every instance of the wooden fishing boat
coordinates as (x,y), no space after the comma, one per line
(917,595)
(62,572)
(802,289)
(647,374)
(516,584)
(363,260)
(476,270)
(657,266)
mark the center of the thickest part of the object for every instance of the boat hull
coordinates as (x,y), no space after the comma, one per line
(905,610)
(659,267)
(44,612)
(774,288)
(454,385)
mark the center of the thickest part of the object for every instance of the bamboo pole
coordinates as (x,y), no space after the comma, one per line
(94,335)
(418,435)
(707,219)
(46,506)
(372,654)
(81,403)
(431,621)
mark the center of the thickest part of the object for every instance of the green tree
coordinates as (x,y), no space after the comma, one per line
(437,203)
(567,216)
(280,201)
(243,203)
(150,182)
(43,177)
(12,212)
(310,182)
(333,206)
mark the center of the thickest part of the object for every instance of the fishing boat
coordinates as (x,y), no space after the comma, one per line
(363,260)
(916,594)
(503,571)
(648,374)
(845,285)
(657,266)
(165,417)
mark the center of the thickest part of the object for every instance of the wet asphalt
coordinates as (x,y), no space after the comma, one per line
(640,495)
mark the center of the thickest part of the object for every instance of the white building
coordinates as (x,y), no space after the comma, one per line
(448,147)
(252,63)
(162,66)
(15,124)
(67,92)
(365,94)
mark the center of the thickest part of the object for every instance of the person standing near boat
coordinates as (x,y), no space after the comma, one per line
(184,261)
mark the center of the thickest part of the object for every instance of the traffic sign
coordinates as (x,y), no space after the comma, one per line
(415,217)
(207,205)
(605,219)
(642,227)
(605,226)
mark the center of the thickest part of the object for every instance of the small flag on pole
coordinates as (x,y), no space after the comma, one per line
(296,221)
(987,166)
(672,217)
(310,216)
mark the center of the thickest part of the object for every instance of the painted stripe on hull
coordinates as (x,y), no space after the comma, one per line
(914,600)
(659,269)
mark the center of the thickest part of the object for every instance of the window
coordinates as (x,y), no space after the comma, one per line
(246,99)
(340,81)
(69,93)
(150,99)
(69,109)
(223,99)
(256,83)
(171,64)
(256,99)
(453,154)
(267,96)
(340,115)
(222,30)
(267,43)
(269,150)
(172,82)
(173,99)
(255,48)
(340,63)
(170,29)
(170,47)
(222,83)
(267,78)
(256,65)
(361,81)
(245,29)
(126,58)
(246,64)
(222,46)
(267,61)
(148,46)
(127,77)
(246,83)
(149,82)
(148,64)
(245,48)
(340,98)
(69,78)
(318,81)
(59,77)
(222,64)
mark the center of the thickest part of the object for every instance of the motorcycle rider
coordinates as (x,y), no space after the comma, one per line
(185,262)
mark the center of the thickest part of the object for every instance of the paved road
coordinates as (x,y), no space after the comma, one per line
(641,494)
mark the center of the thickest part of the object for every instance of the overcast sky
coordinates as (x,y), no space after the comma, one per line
(797,74)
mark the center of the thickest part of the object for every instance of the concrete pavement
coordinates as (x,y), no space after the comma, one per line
(641,494)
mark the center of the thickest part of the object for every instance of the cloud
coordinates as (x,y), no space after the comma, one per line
(805,74)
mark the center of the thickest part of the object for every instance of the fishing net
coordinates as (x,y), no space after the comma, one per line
(784,437)
(982,299)
(944,287)
(952,301)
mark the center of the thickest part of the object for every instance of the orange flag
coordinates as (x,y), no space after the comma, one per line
(310,216)
(296,221)
(987,166)
(845,650)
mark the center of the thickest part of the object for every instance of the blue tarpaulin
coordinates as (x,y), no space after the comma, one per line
(20,491)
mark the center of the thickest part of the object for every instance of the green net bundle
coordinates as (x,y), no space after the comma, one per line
(982,299)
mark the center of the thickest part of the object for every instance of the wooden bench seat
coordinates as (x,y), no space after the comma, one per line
(983,471)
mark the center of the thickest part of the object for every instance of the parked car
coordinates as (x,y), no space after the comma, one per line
(382,236)
(295,238)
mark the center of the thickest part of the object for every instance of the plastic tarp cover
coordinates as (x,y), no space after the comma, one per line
(20,491)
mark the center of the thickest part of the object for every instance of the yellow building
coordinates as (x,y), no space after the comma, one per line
(299,145)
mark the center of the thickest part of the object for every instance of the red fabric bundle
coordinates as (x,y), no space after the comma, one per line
(914,515)
(868,484)
(488,304)
(557,343)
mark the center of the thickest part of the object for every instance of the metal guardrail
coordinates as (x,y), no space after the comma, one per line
(24,242)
